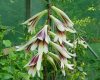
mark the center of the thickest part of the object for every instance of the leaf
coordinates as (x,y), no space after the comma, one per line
(80,68)
(54,56)
(51,61)
(6,76)
(7,43)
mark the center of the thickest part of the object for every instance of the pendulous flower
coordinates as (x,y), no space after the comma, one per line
(33,21)
(62,26)
(66,20)
(61,38)
(40,41)
(35,65)
(62,50)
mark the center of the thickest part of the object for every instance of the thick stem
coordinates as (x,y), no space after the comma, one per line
(49,23)
(49,12)
(44,70)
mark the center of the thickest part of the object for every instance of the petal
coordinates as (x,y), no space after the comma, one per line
(71,30)
(33,61)
(67,22)
(38,65)
(58,23)
(60,40)
(60,49)
(40,47)
(38,72)
(62,64)
(41,35)
(56,38)
(19,48)
(32,71)
(74,55)
(33,20)
(38,14)
(69,44)
(45,50)
(63,37)
(63,15)
(63,72)
(70,66)
(47,39)
(34,46)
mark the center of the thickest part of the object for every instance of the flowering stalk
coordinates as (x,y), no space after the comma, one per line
(41,42)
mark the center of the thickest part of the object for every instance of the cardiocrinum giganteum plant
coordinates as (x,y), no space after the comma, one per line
(63,49)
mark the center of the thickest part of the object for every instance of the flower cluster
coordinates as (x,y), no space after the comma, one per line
(41,42)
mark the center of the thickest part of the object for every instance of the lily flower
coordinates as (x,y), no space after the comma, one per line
(61,26)
(33,21)
(62,50)
(65,64)
(67,22)
(40,41)
(61,38)
(35,65)
(58,23)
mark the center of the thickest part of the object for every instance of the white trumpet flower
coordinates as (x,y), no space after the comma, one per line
(41,40)
(62,26)
(66,20)
(35,64)
(33,21)
(62,50)
(61,38)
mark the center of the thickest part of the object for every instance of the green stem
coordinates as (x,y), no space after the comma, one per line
(44,69)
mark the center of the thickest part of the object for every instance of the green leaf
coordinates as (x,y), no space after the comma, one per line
(51,61)
(5,76)
(7,43)
(80,68)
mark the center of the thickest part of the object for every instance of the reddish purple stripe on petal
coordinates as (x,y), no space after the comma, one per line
(41,35)
(34,59)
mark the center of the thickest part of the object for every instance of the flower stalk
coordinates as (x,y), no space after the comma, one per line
(42,40)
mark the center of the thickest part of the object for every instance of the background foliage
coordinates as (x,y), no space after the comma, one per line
(84,14)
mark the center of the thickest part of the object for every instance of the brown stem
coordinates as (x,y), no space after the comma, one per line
(44,62)
(44,70)
(49,12)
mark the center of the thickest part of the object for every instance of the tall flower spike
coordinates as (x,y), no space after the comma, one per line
(67,22)
(33,21)
(41,40)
